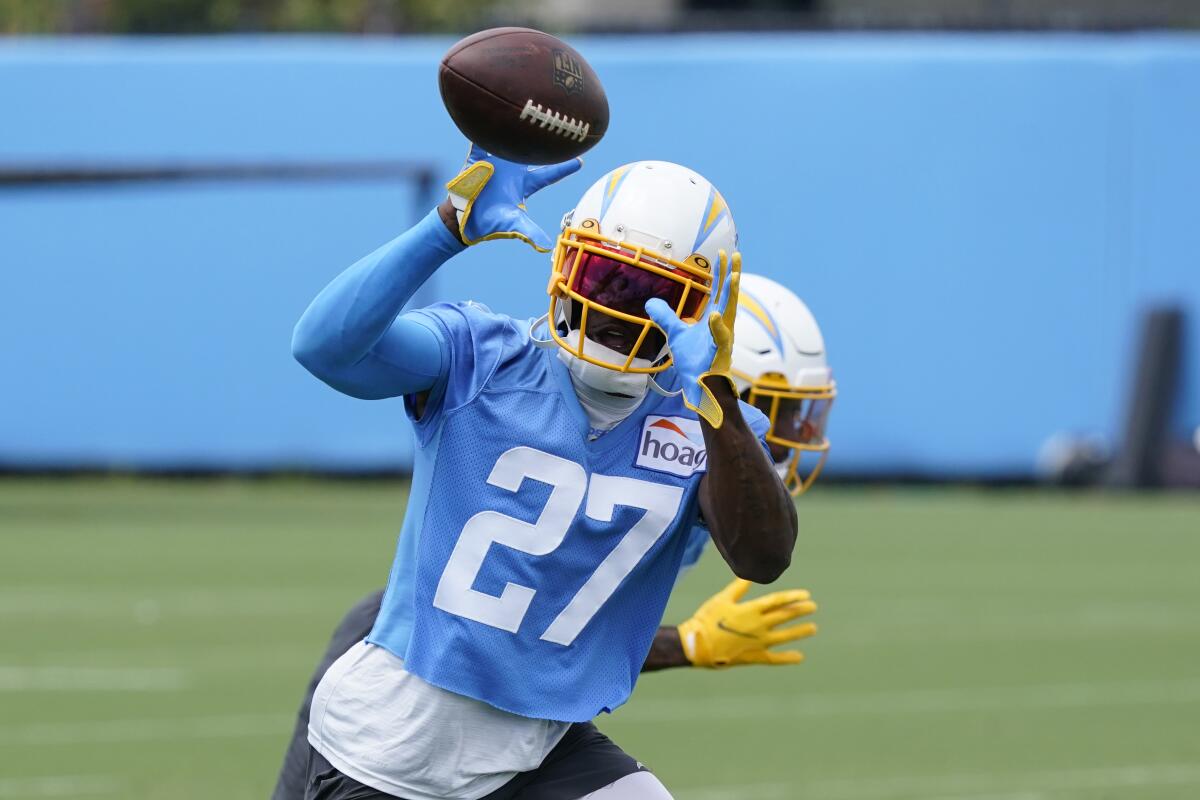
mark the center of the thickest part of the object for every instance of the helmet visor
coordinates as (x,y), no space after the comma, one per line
(796,421)
(796,437)
(798,415)
(624,287)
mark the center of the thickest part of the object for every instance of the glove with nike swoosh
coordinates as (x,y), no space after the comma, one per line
(489,197)
(724,632)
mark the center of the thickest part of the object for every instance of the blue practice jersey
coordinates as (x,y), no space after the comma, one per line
(534,565)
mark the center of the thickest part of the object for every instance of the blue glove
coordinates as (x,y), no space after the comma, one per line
(489,195)
(699,351)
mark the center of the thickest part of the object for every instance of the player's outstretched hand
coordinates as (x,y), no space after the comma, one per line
(724,632)
(701,351)
(489,196)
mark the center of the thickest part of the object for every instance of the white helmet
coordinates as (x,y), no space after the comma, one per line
(646,229)
(779,366)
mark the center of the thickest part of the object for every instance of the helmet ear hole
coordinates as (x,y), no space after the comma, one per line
(698,261)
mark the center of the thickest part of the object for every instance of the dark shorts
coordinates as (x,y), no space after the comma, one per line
(582,762)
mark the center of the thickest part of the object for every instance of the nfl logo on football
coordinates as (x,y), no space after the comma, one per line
(567,72)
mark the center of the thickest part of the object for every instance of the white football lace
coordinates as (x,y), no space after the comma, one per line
(555,122)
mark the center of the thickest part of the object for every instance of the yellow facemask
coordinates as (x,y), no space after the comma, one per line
(597,274)
(798,416)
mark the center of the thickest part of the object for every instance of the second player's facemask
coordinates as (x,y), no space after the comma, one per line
(598,275)
(798,416)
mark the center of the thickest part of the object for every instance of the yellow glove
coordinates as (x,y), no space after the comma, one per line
(724,632)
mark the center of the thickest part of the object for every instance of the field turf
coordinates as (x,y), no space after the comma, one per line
(974,645)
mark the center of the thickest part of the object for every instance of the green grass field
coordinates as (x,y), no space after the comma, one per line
(974,645)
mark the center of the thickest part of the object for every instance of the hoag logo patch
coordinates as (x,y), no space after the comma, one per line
(672,444)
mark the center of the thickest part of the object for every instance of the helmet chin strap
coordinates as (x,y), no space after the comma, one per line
(660,391)
(545,344)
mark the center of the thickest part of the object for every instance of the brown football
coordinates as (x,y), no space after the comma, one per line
(523,95)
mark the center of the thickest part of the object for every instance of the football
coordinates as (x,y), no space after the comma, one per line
(524,95)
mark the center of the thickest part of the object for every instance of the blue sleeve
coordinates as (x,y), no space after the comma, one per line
(352,336)
(475,342)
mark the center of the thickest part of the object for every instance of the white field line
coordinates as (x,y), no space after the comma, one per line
(1054,630)
(966,786)
(926,621)
(909,623)
(195,658)
(58,786)
(145,730)
(958,700)
(90,679)
(808,791)
(149,607)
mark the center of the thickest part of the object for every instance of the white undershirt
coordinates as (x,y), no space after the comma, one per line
(604,410)
(386,728)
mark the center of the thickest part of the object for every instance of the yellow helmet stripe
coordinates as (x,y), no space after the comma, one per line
(718,205)
(615,179)
(748,302)
(717,210)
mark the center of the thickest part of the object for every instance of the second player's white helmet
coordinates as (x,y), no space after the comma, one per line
(779,365)
(646,229)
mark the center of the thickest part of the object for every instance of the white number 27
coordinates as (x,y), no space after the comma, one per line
(567,481)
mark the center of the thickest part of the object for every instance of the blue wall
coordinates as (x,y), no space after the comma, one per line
(976,221)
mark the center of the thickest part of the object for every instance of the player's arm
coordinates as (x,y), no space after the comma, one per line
(725,632)
(352,335)
(745,505)
(666,650)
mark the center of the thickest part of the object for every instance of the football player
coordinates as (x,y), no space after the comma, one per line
(587,444)
(779,365)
